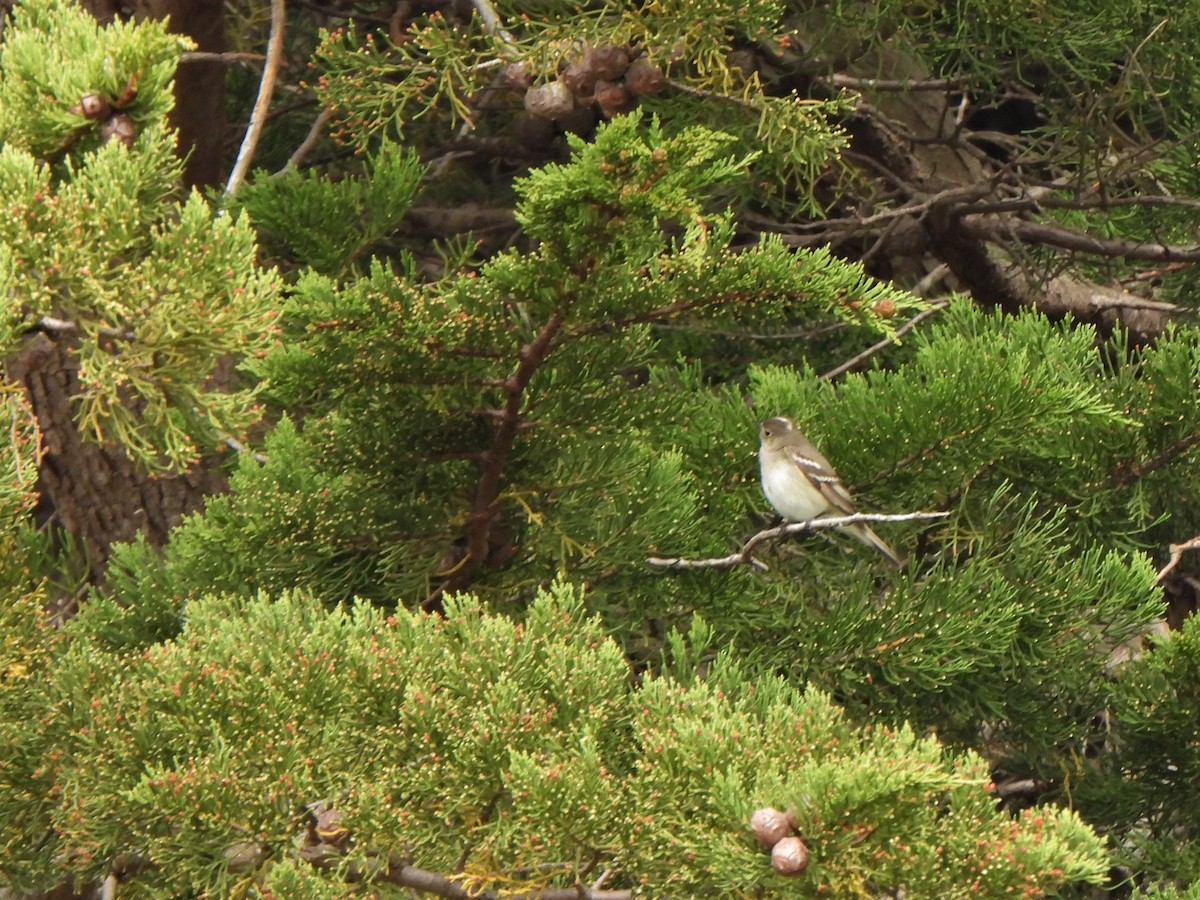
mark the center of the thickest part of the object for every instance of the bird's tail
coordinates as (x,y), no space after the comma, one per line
(871,539)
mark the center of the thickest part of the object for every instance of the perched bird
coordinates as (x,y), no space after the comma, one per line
(801,484)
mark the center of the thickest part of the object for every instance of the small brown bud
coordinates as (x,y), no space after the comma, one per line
(92,106)
(613,99)
(608,63)
(789,856)
(119,127)
(885,308)
(769,826)
(549,101)
(643,77)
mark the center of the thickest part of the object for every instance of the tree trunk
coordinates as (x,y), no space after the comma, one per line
(95,492)
(200,90)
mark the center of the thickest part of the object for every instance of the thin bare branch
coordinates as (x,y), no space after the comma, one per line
(745,557)
(807,334)
(1048,235)
(655,316)
(230,57)
(491,21)
(1177,551)
(310,141)
(266,88)
(478,530)
(1132,301)
(1021,788)
(710,95)
(398,872)
(1127,473)
(234,444)
(441,886)
(65,326)
(1095,201)
(888,341)
(1154,274)
(888,84)
(913,208)
(923,287)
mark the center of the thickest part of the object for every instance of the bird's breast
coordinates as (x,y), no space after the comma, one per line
(788,490)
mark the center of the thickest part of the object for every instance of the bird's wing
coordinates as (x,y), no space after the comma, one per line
(823,478)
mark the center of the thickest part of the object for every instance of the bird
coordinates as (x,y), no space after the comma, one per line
(801,484)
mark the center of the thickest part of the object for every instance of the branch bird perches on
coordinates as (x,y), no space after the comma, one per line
(744,556)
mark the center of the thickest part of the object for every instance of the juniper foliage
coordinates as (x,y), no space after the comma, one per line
(511,440)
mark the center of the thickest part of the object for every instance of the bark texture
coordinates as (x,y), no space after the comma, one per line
(199,114)
(96,493)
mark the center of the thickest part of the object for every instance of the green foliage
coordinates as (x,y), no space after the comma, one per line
(1019,425)
(1099,66)
(1145,788)
(328,224)
(384,86)
(18,460)
(391,90)
(984,400)
(157,295)
(378,366)
(515,753)
(29,648)
(321,533)
(1029,429)
(54,54)
(562,391)
(618,192)
(966,649)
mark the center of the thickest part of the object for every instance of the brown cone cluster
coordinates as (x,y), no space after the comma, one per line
(774,829)
(115,125)
(609,78)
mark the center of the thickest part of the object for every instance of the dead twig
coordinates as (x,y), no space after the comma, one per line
(886,342)
(744,556)
(310,141)
(51,325)
(266,88)
(229,57)
(1176,551)
(887,84)
(1127,473)
(1048,235)
(234,444)
(491,21)
(923,287)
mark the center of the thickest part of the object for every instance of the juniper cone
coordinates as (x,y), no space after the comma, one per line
(801,484)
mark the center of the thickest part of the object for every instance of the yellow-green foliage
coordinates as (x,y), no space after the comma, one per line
(54,54)
(153,293)
(515,754)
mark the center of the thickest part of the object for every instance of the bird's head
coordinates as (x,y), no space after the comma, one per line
(778,425)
